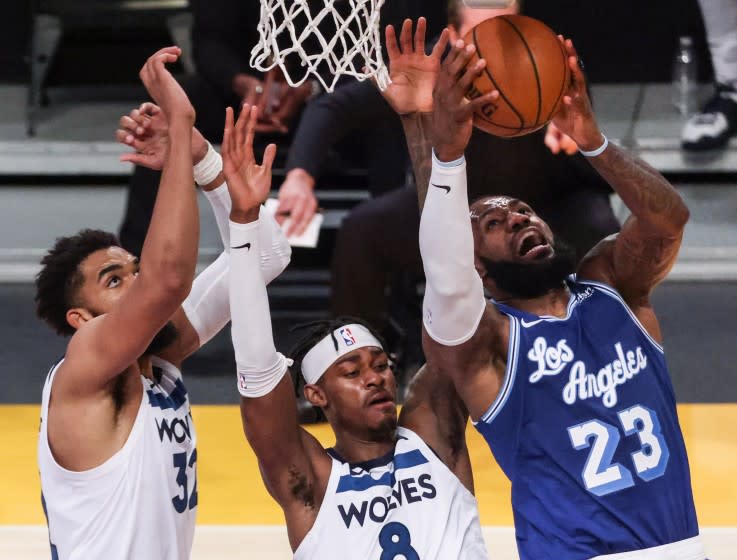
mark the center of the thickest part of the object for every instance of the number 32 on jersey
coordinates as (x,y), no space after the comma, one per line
(600,475)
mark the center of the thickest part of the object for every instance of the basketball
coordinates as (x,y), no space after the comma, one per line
(526,62)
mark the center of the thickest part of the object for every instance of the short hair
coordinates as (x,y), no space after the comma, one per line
(60,278)
(318,331)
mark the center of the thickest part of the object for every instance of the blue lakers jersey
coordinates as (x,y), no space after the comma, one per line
(585,427)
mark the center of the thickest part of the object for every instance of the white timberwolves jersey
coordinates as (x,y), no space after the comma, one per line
(406,505)
(139,504)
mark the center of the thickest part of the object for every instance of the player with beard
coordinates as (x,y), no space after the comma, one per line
(564,376)
(389,488)
(117,448)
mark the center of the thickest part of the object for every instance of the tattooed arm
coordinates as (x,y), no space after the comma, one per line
(413,76)
(641,255)
(420,151)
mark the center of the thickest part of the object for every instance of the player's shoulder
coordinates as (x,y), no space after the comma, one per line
(597,264)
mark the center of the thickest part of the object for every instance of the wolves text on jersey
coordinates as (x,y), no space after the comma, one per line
(377,508)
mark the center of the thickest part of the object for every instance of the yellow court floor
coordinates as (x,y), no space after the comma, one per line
(231,491)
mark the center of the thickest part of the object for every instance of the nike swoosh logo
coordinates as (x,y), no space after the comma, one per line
(446,188)
(527,324)
(244,246)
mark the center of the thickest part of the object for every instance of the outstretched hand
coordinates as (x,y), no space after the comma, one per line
(164,89)
(575,117)
(146,130)
(248,182)
(452,121)
(413,73)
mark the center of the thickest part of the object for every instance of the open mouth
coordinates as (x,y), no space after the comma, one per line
(533,246)
(381,399)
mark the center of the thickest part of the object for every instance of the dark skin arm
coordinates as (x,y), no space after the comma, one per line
(419,144)
(435,412)
(413,75)
(641,255)
(293,464)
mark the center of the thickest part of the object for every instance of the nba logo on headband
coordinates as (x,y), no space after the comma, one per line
(319,358)
(347,336)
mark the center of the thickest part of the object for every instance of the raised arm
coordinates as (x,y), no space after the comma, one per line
(105,346)
(290,459)
(643,253)
(413,76)
(207,308)
(464,336)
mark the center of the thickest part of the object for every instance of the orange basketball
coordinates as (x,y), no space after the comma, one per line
(526,62)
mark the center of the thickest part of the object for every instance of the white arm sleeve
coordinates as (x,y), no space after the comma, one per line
(454,295)
(275,249)
(207,306)
(260,367)
(219,199)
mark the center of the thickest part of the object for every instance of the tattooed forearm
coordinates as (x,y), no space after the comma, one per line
(420,151)
(648,195)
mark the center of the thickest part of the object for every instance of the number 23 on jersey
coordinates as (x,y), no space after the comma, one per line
(601,476)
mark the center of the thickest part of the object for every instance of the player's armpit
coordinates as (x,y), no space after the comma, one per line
(187,341)
(434,411)
(477,366)
(293,464)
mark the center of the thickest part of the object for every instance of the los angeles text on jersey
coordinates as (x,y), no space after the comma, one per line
(404,492)
(582,383)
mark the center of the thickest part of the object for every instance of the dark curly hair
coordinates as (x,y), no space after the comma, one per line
(60,278)
(318,331)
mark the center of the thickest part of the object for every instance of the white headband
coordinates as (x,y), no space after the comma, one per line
(322,355)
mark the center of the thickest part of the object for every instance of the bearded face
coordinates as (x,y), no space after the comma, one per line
(516,250)
(530,279)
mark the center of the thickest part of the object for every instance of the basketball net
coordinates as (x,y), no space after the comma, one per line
(287,26)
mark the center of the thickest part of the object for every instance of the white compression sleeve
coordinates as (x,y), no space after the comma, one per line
(275,249)
(454,295)
(260,366)
(219,199)
(207,306)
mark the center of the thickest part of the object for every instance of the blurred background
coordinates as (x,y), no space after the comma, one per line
(69,71)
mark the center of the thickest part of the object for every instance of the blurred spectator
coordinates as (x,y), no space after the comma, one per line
(717,121)
(380,237)
(356,122)
(223,35)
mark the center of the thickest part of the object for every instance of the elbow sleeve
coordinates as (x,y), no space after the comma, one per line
(454,296)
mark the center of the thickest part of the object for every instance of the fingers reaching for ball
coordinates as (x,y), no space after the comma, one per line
(578,81)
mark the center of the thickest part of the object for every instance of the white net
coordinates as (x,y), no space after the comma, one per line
(323,39)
